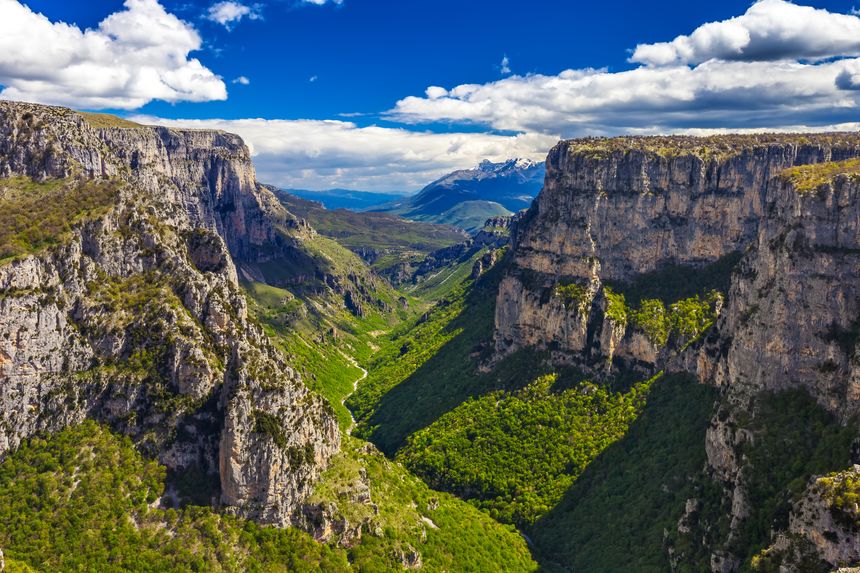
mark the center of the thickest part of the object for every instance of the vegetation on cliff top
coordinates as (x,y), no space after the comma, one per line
(841,490)
(106,120)
(807,178)
(716,147)
(36,215)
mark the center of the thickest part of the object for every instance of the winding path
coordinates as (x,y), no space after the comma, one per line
(343,400)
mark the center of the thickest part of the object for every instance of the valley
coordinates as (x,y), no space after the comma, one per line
(653,367)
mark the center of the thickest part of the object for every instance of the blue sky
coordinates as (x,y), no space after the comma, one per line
(364,93)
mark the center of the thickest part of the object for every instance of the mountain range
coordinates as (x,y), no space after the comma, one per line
(464,199)
(467,198)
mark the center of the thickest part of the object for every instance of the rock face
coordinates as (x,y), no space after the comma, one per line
(822,524)
(613,209)
(792,321)
(794,307)
(137,319)
(615,214)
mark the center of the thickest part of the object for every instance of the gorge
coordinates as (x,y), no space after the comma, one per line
(653,368)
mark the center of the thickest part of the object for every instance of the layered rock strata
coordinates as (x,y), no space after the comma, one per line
(137,319)
(614,209)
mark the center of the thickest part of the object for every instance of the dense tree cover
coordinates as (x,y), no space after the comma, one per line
(614,516)
(654,320)
(681,320)
(516,453)
(83,500)
(792,439)
(36,215)
(407,515)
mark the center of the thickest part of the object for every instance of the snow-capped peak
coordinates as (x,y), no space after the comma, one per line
(518,163)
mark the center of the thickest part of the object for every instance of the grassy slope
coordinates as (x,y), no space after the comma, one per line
(106,120)
(318,339)
(468,215)
(404,241)
(439,285)
(449,534)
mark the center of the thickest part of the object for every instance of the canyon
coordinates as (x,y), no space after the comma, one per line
(167,295)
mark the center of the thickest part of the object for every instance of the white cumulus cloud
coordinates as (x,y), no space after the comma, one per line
(319,154)
(134,56)
(769,30)
(229,13)
(778,65)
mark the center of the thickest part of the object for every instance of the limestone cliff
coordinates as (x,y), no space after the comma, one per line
(613,210)
(792,321)
(643,217)
(135,318)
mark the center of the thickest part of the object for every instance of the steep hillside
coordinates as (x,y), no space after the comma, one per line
(469,197)
(130,311)
(731,261)
(155,418)
(390,244)
(790,329)
(624,262)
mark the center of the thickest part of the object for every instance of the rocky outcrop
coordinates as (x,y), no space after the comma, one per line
(824,526)
(136,319)
(613,210)
(792,321)
(793,312)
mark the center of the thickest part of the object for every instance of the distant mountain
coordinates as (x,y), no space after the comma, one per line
(346,198)
(468,197)
(390,244)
